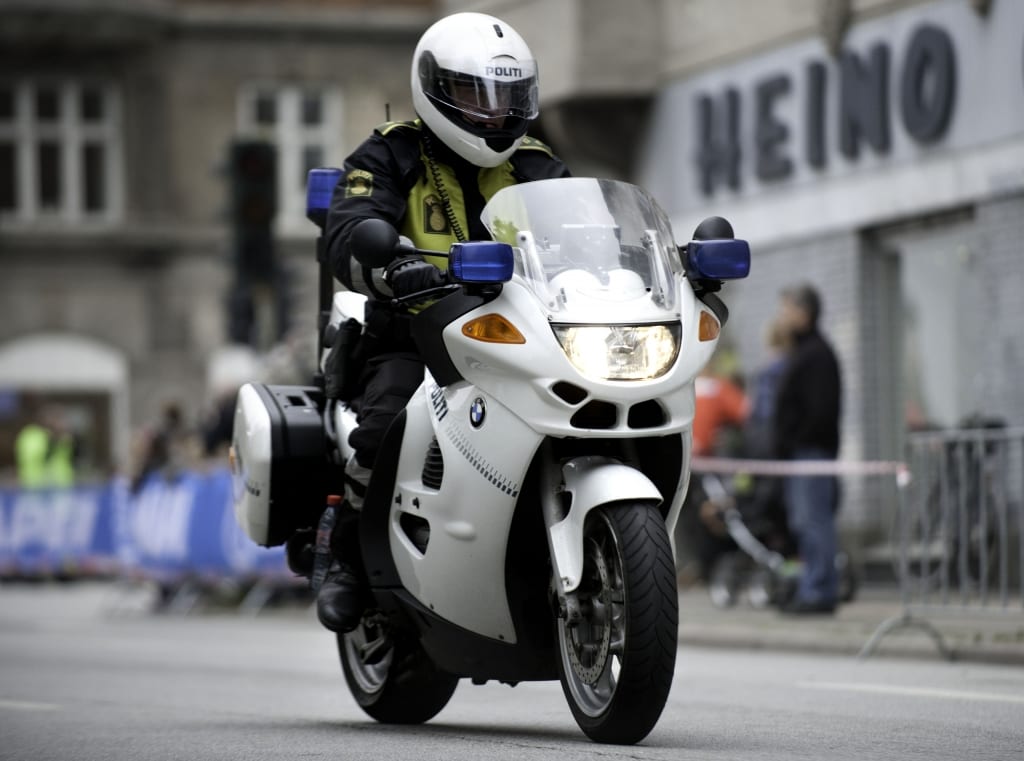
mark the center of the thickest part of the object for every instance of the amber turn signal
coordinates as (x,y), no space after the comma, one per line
(493,328)
(708,328)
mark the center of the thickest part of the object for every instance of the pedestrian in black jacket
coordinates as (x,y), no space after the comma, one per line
(806,428)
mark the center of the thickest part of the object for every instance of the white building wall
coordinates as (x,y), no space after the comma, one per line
(980,154)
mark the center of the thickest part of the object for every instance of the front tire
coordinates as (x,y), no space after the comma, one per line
(391,678)
(616,664)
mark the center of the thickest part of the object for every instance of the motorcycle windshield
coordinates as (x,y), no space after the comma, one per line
(593,251)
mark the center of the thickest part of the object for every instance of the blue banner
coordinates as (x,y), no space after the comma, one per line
(57,530)
(166,530)
(187,526)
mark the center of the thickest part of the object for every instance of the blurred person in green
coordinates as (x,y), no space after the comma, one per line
(45,451)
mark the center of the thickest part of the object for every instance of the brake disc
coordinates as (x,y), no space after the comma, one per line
(598,645)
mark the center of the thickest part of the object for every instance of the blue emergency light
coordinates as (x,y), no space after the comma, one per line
(722,259)
(481,262)
(320,185)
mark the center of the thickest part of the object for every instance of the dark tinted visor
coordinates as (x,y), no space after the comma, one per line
(485,97)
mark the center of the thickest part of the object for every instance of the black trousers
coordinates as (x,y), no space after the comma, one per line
(389,380)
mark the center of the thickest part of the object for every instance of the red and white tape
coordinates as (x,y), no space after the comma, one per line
(732,466)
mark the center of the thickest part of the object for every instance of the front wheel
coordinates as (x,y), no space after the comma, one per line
(616,663)
(391,678)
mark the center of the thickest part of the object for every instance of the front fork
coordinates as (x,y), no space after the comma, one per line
(569,491)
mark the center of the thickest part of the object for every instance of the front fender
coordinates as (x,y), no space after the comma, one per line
(591,482)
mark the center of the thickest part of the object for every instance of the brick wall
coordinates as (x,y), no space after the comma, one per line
(831,266)
(1000,310)
(858,278)
(835,267)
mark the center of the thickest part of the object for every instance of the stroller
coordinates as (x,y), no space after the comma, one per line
(757,560)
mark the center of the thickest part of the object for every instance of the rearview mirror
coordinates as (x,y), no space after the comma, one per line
(722,259)
(373,243)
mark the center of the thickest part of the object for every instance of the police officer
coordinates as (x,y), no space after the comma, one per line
(474,89)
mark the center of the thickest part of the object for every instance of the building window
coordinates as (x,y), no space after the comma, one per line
(264,109)
(8,165)
(49,175)
(94,195)
(60,151)
(304,124)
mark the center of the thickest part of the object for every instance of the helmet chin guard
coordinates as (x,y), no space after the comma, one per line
(474,84)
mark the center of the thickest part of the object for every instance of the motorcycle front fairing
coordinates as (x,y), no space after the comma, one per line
(599,260)
(590,255)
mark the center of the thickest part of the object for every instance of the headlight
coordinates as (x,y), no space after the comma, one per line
(620,352)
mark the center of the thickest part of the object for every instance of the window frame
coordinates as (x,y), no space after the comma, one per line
(72,133)
(291,137)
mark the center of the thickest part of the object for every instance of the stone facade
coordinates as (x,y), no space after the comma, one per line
(148,278)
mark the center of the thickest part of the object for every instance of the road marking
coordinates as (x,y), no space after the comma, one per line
(27,705)
(913,692)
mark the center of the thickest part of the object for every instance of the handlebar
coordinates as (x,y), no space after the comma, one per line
(429,293)
(404,250)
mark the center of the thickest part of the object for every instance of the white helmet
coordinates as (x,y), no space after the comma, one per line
(474,84)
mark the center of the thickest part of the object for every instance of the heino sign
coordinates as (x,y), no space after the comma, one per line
(879,88)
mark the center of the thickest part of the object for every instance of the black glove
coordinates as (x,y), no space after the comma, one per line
(410,274)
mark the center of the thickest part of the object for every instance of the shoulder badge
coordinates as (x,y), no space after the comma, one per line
(358,183)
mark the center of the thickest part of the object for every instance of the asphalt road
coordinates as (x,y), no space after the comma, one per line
(81,681)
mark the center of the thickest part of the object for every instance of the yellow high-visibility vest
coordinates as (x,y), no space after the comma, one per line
(44,461)
(426,223)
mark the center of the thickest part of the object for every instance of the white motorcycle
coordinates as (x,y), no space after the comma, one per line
(518,522)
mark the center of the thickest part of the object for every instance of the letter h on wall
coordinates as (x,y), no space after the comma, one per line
(718,130)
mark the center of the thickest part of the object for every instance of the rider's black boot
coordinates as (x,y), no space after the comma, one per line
(340,599)
(339,603)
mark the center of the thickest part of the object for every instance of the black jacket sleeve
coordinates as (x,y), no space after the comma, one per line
(375,186)
(809,400)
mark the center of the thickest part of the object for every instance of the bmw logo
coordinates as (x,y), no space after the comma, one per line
(477,412)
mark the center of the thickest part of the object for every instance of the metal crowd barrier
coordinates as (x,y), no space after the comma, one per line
(959,531)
